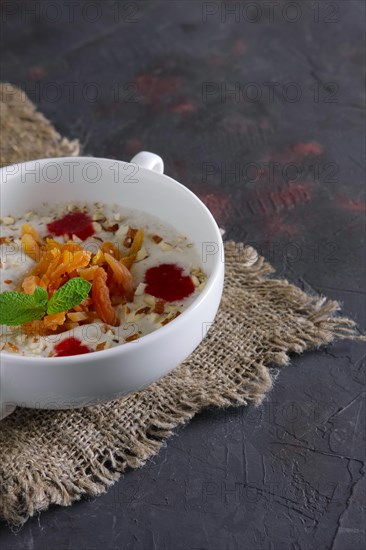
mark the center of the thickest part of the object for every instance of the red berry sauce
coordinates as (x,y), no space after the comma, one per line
(166,281)
(74,223)
(71,346)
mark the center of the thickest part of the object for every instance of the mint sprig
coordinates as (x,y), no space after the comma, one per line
(17,308)
(69,295)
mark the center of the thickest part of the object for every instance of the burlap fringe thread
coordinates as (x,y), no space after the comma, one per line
(58,457)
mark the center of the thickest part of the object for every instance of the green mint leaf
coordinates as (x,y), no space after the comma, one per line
(17,308)
(41,296)
(69,295)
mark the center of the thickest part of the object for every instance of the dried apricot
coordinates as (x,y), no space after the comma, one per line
(122,275)
(102,300)
(54,320)
(29,284)
(31,247)
(28,229)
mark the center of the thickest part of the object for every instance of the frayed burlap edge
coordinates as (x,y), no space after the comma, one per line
(25,133)
(36,469)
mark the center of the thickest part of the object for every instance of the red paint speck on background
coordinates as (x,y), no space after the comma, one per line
(267,200)
(277,226)
(296,152)
(264,124)
(134,145)
(184,107)
(35,73)
(180,166)
(305,149)
(240,47)
(105,109)
(169,64)
(154,88)
(218,204)
(351,205)
(292,194)
(216,60)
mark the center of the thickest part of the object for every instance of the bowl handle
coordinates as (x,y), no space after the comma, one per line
(149,161)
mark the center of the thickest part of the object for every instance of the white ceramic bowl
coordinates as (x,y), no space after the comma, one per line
(77,381)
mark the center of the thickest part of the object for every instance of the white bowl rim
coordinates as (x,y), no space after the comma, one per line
(172,325)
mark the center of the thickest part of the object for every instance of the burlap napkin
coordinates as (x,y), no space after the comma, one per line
(57,457)
(25,133)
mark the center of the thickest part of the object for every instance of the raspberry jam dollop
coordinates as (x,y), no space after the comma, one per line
(71,346)
(166,281)
(74,223)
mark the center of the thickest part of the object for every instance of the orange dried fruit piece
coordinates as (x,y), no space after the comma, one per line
(102,300)
(69,262)
(41,268)
(54,320)
(98,258)
(36,328)
(136,245)
(72,247)
(31,247)
(53,256)
(122,275)
(86,303)
(29,284)
(88,273)
(28,229)
(78,316)
(111,249)
(51,243)
(137,242)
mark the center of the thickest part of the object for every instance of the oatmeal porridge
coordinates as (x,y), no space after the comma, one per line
(83,278)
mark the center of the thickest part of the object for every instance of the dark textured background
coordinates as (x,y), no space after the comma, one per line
(290,474)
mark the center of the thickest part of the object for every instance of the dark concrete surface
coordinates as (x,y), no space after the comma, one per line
(283,172)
